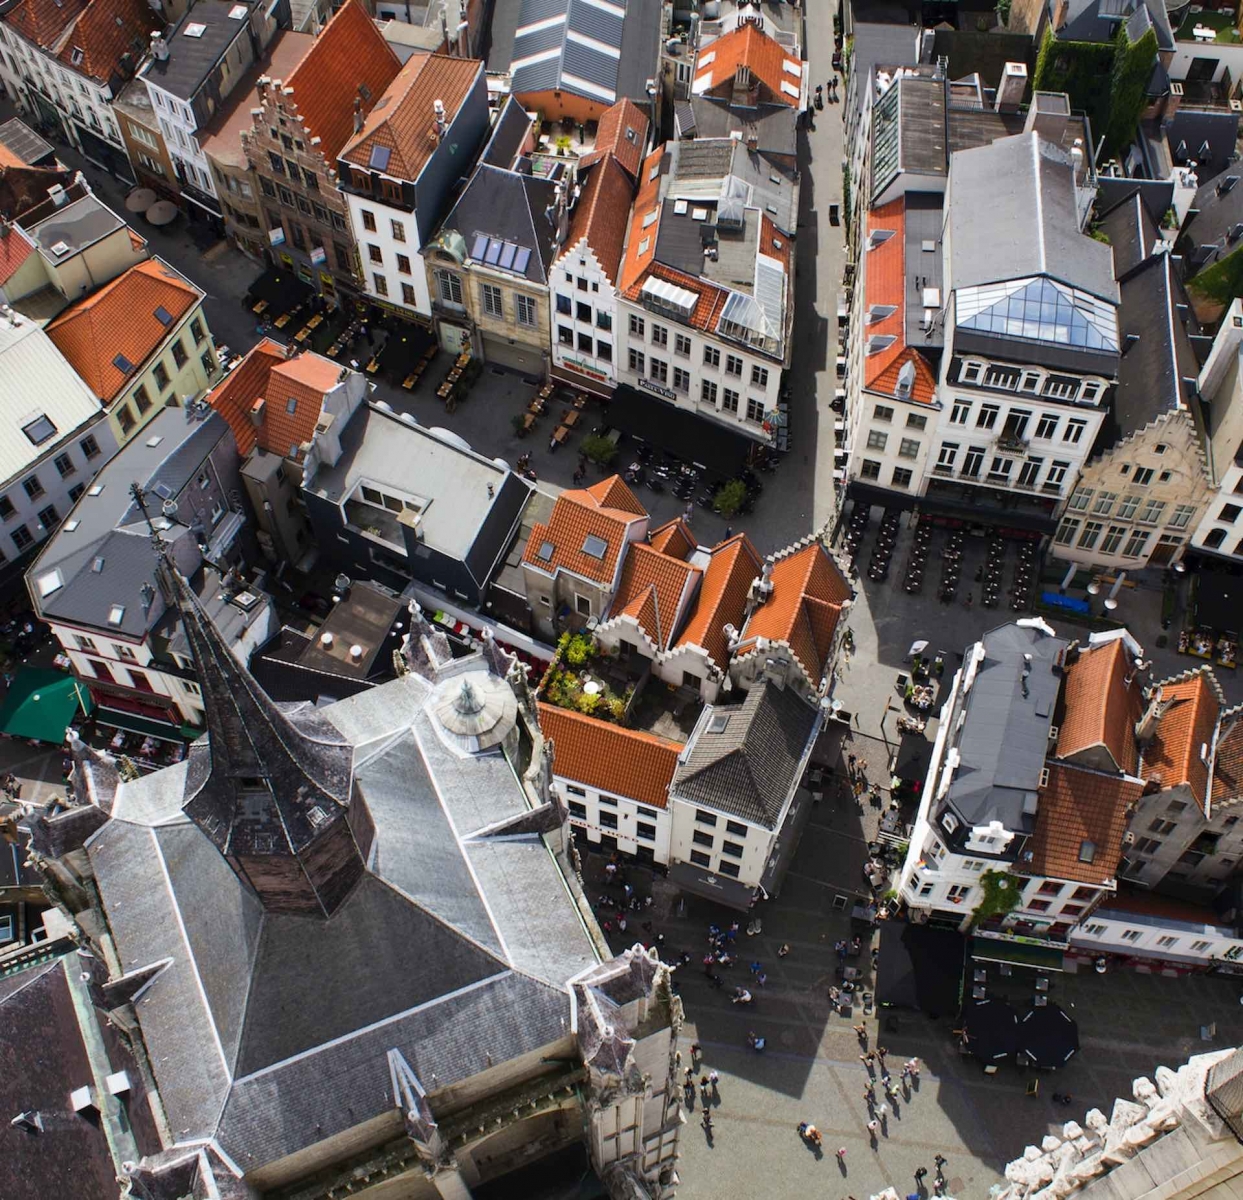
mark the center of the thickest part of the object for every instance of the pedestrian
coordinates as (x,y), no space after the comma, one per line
(610,869)
(729,531)
(705,1095)
(660,939)
(920,1174)
(881,1110)
(628,890)
(841,1155)
(869,1093)
(783,949)
(940,1160)
(621,924)
(861,1032)
(873,1126)
(707,1122)
(913,1067)
(696,1052)
(647,902)
(761,979)
(850,763)
(733,931)
(714,1079)
(880,1053)
(690,1077)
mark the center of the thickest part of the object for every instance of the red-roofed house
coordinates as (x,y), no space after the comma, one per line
(586,274)
(748,68)
(141,343)
(300,127)
(278,407)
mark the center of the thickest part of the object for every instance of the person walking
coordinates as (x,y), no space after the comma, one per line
(873,1126)
(841,1155)
(861,1032)
(920,1175)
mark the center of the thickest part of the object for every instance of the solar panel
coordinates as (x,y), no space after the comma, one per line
(521,259)
(494,252)
(163,316)
(479,247)
(379,158)
(507,256)
(123,364)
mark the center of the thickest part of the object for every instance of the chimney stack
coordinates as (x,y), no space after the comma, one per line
(1146,726)
(442,125)
(1011,87)
(358,114)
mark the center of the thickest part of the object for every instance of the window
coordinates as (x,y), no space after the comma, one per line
(658,369)
(565,306)
(1132,935)
(916,421)
(1104,502)
(581,284)
(704,817)
(1136,543)
(971,371)
(276,162)
(972,461)
(645,832)
(1001,469)
(682,345)
(368,220)
(1057,475)
(946,456)
(526,310)
(729,400)
(407,295)
(1143,476)
(730,869)
(583,312)
(585,343)
(700,859)
(48,516)
(908,448)
(1029,472)
(603,320)
(660,335)
(493,304)
(374,253)
(1074,430)
(882,412)
(22,537)
(196,330)
(733,849)
(712,356)
(608,820)
(1126,510)
(707,392)
(179,353)
(958,892)
(1091,533)
(399,231)
(636,361)
(161,376)
(1046,427)
(565,335)
(1066,531)
(381,284)
(582,604)
(1113,539)
(960,413)
(7,510)
(286,196)
(877,439)
(1080,498)
(1214,538)
(578,810)
(681,380)
(755,410)
(901,477)
(32,486)
(125,418)
(449,286)
(869,469)
(403,264)
(1229,513)
(759,377)
(636,325)
(1152,512)
(1096,929)
(733,365)
(701,838)
(1039,905)
(64,465)
(988,416)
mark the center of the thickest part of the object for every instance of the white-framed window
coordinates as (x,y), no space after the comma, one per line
(1132,935)
(960,414)
(707,391)
(971,371)
(526,309)
(1066,531)
(449,286)
(946,456)
(755,410)
(1057,474)
(493,302)
(1046,427)
(1182,516)
(1074,430)
(1126,510)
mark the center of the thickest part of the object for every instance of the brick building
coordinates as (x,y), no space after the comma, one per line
(299,128)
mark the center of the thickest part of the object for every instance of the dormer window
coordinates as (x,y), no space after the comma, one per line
(880,341)
(878,237)
(878,312)
(971,372)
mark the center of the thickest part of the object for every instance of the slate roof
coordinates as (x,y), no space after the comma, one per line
(1206,138)
(779,70)
(775,126)
(508,135)
(1099,709)
(601,214)
(986,54)
(744,758)
(120,319)
(110,38)
(803,610)
(403,122)
(192,59)
(488,928)
(621,131)
(1131,231)
(349,54)
(508,206)
(1188,723)
(599,754)
(1212,229)
(722,598)
(606,510)
(265,374)
(1078,807)
(1097,20)
(654,590)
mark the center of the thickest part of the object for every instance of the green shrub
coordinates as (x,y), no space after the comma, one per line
(600,450)
(729,498)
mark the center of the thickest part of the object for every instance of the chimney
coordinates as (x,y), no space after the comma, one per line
(57,195)
(1059,14)
(442,125)
(1076,159)
(1146,726)
(256,412)
(1128,341)
(358,114)
(1010,88)
(159,47)
(1171,102)
(743,84)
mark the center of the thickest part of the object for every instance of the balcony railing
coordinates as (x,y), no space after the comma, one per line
(1011,441)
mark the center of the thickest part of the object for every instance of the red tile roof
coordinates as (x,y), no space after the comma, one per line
(266,375)
(606,510)
(1076,807)
(15,249)
(43,21)
(347,55)
(1228,758)
(722,598)
(747,46)
(601,215)
(711,300)
(1100,710)
(119,319)
(804,608)
(107,31)
(653,590)
(403,120)
(673,537)
(647,200)
(885,284)
(622,131)
(1186,725)
(627,762)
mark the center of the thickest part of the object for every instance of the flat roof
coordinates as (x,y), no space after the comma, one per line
(197,45)
(73,227)
(364,618)
(18,138)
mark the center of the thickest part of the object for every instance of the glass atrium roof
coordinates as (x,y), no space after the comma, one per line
(1042,310)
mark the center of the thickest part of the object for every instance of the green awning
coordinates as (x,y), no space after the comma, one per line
(42,704)
(1019,954)
(133,723)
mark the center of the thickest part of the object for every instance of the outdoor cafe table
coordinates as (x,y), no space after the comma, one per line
(570,420)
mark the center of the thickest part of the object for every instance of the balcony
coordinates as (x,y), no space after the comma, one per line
(1014,442)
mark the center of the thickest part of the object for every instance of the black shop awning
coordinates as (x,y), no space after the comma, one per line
(680,433)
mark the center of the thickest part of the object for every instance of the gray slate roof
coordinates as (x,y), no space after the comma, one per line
(1097,21)
(1131,231)
(508,134)
(509,206)
(1215,223)
(1005,737)
(776,125)
(1206,138)
(749,767)
(1025,183)
(192,59)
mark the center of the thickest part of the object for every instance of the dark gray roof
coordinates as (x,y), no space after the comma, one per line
(678,240)
(508,134)
(1131,231)
(922,226)
(511,207)
(453,948)
(1157,194)
(986,54)
(1005,736)
(18,138)
(191,59)
(970,127)
(1215,221)
(744,758)
(1206,138)
(1098,20)
(879,45)
(76,225)
(776,125)
(110,527)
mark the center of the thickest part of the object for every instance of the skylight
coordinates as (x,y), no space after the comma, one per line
(163,316)
(39,430)
(595,546)
(1041,310)
(379,158)
(546,551)
(116,614)
(237,12)
(1087,851)
(195,29)
(718,723)
(123,364)
(50,583)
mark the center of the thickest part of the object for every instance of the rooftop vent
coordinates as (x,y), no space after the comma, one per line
(30,1120)
(60,249)
(195,29)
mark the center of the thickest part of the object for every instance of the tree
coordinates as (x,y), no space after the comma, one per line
(729,499)
(600,450)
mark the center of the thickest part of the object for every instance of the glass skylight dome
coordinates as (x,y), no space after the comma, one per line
(1041,310)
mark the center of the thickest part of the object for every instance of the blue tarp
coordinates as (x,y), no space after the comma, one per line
(1057,600)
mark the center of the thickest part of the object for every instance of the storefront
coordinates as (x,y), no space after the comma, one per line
(517,356)
(112,158)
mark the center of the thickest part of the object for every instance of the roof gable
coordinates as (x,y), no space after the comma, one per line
(746,46)
(235,395)
(601,214)
(1186,725)
(107,32)
(347,57)
(43,21)
(605,511)
(653,587)
(1099,708)
(673,537)
(622,131)
(722,598)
